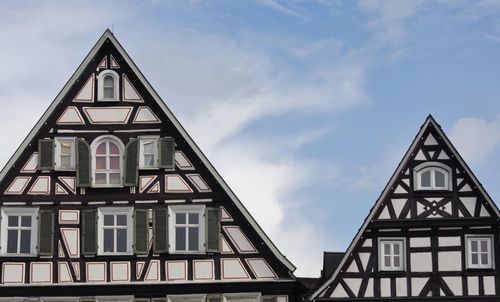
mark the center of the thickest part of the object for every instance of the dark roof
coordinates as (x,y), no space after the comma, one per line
(330,262)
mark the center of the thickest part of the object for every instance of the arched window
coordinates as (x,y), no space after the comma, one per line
(107,86)
(432,176)
(107,164)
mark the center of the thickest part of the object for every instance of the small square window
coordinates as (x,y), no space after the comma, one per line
(187,229)
(65,154)
(148,153)
(19,231)
(115,231)
(391,254)
(479,251)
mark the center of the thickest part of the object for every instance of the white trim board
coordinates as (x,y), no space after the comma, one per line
(108,35)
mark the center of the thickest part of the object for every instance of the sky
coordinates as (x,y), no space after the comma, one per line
(304,107)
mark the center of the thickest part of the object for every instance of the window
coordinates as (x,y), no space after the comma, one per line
(148,153)
(108,162)
(187,229)
(65,154)
(391,254)
(19,231)
(107,83)
(479,251)
(432,176)
(115,231)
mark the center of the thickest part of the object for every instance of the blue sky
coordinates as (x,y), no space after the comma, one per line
(304,107)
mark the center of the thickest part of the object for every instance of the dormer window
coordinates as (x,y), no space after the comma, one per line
(107,166)
(432,176)
(107,88)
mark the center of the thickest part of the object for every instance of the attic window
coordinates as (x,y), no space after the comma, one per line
(108,86)
(107,153)
(432,176)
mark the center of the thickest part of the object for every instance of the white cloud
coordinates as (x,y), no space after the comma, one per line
(475,138)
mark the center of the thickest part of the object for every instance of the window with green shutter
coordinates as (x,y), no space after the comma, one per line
(141,229)
(160,230)
(89,232)
(167,152)
(213,230)
(45,233)
(132,163)
(83,169)
(46,154)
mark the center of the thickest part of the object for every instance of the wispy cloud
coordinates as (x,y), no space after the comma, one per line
(476,138)
(285,8)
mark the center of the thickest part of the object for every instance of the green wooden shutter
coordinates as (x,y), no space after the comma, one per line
(45,233)
(89,232)
(167,152)
(132,163)
(83,162)
(212,239)
(46,154)
(141,232)
(160,230)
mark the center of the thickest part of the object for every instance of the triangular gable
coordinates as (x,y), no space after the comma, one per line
(126,60)
(397,186)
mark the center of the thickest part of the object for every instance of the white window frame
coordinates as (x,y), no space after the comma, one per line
(256,297)
(433,167)
(187,298)
(143,139)
(100,228)
(100,86)
(121,147)
(58,154)
(478,237)
(33,212)
(200,210)
(391,268)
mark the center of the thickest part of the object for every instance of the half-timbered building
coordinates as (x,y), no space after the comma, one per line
(432,234)
(109,199)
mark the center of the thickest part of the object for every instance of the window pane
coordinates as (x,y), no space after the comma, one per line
(193,218)
(387,248)
(193,239)
(12,241)
(149,160)
(100,162)
(387,261)
(425,179)
(101,149)
(473,246)
(100,178)
(180,218)
(25,241)
(66,148)
(108,81)
(148,148)
(121,240)
(108,240)
(13,220)
(396,261)
(121,219)
(114,162)
(26,221)
(484,246)
(109,219)
(474,259)
(65,161)
(109,92)
(180,239)
(396,249)
(113,149)
(484,258)
(115,178)
(439,178)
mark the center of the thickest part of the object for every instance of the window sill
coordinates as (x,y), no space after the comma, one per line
(65,169)
(480,269)
(116,254)
(108,186)
(108,100)
(151,168)
(187,252)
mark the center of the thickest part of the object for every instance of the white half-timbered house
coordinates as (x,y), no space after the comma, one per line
(433,234)
(109,199)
